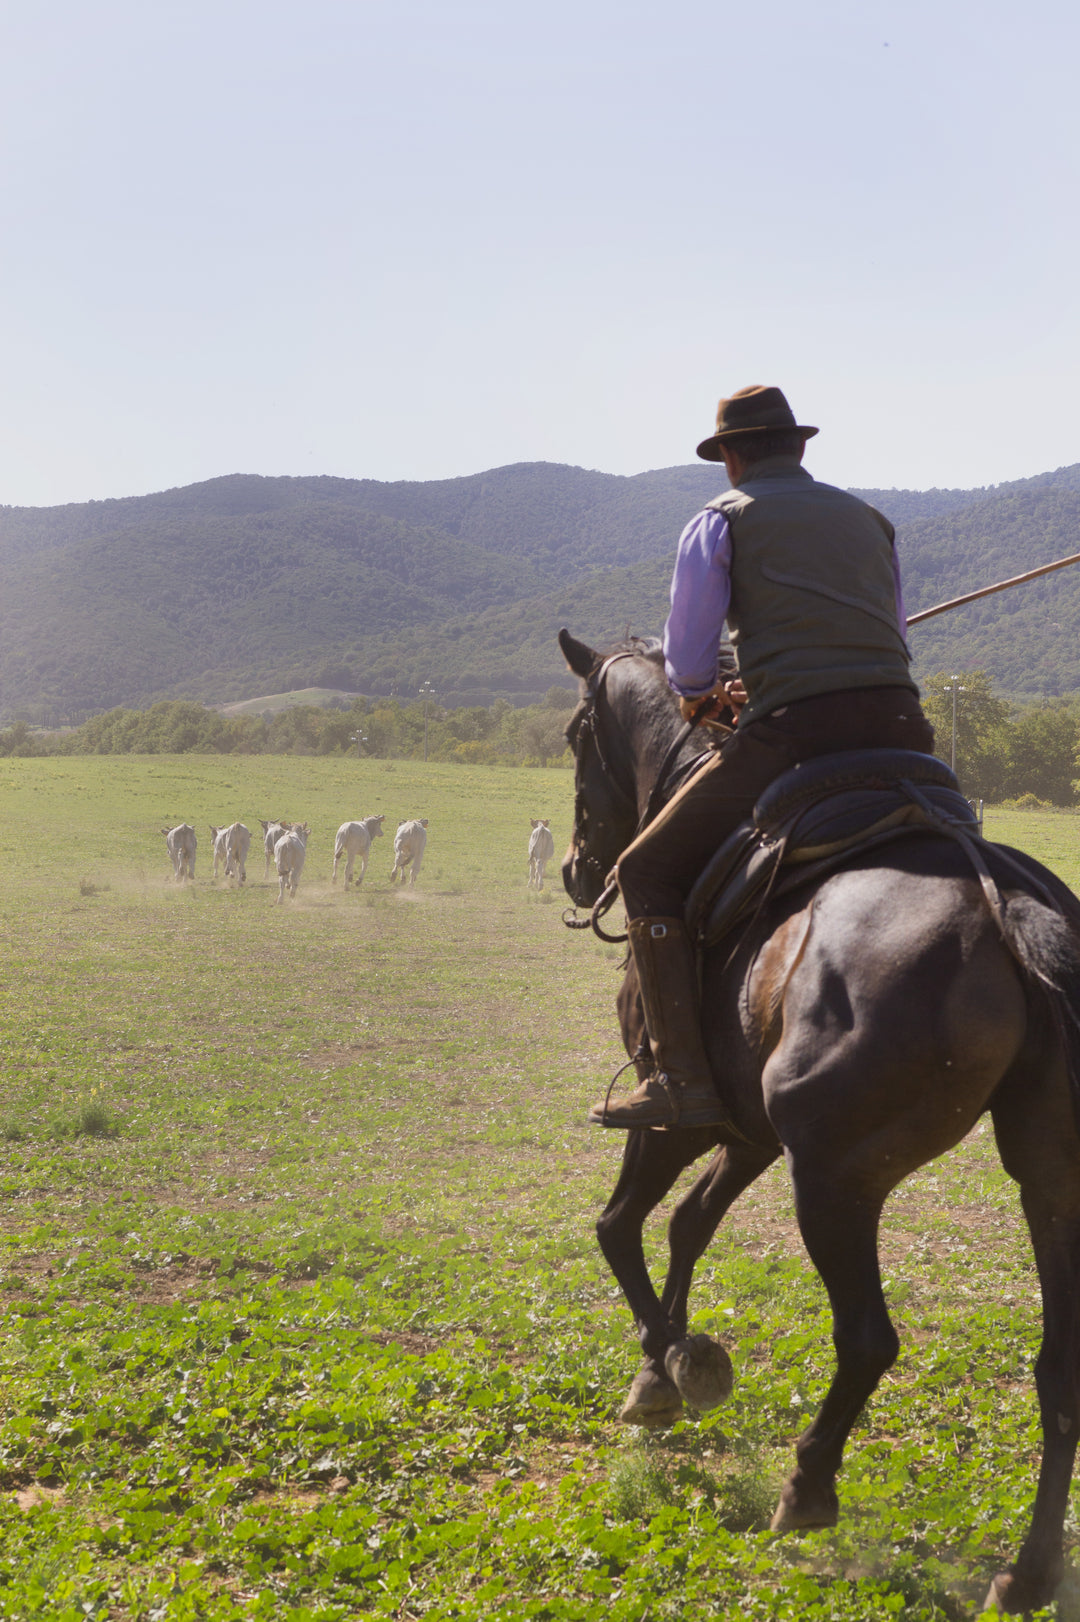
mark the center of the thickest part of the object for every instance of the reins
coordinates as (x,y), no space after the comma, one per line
(662,789)
(658,794)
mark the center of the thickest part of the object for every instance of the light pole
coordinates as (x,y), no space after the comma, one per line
(427,692)
(359,739)
(953,687)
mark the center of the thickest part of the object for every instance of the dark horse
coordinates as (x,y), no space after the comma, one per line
(860,1031)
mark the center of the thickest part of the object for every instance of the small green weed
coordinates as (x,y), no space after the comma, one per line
(94,1119)
(746,1492)
(640,1481)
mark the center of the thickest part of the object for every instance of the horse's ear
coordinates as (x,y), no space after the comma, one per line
(582,659)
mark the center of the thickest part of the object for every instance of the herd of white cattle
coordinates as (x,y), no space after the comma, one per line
(285,847)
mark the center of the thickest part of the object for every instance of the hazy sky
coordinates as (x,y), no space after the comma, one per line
(405,239)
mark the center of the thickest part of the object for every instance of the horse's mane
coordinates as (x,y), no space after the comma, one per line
(646,647)
(652,649)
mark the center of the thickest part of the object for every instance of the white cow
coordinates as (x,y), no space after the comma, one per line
(181,844)
(353,840)
(231,847)
(238,843)
(272,832)
(409,842)
(541,850)
(289,853)
(219,839)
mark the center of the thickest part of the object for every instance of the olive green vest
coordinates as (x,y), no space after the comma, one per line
(813,596)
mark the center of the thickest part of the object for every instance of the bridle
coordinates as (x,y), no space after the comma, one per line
(666,782)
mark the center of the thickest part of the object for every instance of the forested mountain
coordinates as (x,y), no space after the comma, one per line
(246,585)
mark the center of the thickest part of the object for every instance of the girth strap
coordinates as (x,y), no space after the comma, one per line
(954,830)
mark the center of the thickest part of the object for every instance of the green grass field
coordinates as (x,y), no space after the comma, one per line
(303,1314)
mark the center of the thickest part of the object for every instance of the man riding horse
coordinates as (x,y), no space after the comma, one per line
(806,577)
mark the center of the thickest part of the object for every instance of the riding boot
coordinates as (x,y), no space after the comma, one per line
(680,1090)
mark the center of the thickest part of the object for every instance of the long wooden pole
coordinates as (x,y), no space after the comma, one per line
(1002,585)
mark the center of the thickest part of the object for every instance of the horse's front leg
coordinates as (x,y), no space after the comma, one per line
(676,1367)
(651,1163)
(699,1366)
(700,1212)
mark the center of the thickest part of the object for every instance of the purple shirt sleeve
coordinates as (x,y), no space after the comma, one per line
(700,594)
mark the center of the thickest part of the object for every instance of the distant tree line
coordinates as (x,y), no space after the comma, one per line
(382,728)
(1002,751)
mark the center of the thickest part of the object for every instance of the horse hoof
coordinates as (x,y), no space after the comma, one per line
(805,1509)
(997,1595)
(652,1401)
(701,1369)
(1009,1592)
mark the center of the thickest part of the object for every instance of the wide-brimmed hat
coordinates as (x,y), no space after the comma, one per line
(750,411)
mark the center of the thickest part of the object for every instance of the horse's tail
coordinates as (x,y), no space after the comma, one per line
(1043,934)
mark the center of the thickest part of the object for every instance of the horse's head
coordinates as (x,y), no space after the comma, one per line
(618,734)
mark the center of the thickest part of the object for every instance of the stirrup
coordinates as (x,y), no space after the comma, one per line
(670,1108)
(598,1111)
(654,1103)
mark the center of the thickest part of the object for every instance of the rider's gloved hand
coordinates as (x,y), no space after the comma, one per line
(718,708)
(702,706)
(705,706)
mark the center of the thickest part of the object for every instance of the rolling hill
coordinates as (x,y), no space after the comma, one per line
(245,585)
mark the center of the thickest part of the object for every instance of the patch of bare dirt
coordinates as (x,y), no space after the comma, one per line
(297,1497)
(418,1345)
(36,1496)
(170,1282)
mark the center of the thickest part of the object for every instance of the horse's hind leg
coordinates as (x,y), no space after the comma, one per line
(839,1225)
(1040,1148)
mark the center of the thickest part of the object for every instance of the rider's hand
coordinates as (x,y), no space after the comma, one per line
(736,692)
(705,706)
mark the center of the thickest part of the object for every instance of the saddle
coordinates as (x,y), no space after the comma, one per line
(817,816)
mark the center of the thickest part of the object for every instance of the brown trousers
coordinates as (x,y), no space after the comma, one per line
(657,872)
